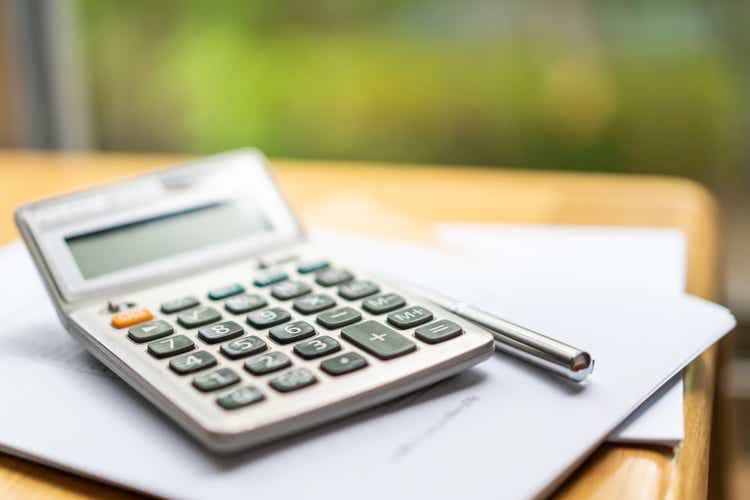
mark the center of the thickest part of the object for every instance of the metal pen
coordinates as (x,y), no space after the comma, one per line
(528,345)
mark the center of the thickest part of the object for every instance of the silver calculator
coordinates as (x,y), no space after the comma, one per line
(197,286)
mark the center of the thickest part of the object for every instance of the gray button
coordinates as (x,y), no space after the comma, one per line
(150,331)
(170,346)
(331,277)
(268,318)
(243,347)
(338,317)
(226,330)
(240,397)
(267,363)
(409,317)
(314,303)
(244,303)
(198,316)
(358,289)
(378,339)
(178,305)
(290,289)
(439,331)
(291,332)
(343,363)
(294,379)
(217,379)
(317,347)
(192,362)
(383,303)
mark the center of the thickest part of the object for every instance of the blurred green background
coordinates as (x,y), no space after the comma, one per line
(617,86)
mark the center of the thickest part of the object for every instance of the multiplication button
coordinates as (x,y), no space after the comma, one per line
(378,340)
(314,303)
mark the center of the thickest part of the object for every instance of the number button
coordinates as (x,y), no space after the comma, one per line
(344,363)
(383,303)
(338,317)
(192,362)
(131,317)
(289,290)
(314,303)
(240,397)
(244,303)
(270,278)
(226,291)
(331,277)
(198,316)
(409,317)
(220,332)
(170,346)
(217,379)
(267,363)
(292,332)
(243,347)
(178,305)
(294,379)
(378,340)
(317,347)
(438,331)
(150,331)
(358,289)
(268,318)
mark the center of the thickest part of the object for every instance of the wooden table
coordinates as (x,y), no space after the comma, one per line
(401,200)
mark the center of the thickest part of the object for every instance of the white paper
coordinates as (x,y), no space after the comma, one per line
(501,427)
(583,260)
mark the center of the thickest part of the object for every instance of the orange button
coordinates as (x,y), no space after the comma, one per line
(131,317)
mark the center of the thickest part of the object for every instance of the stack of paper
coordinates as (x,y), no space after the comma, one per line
(502,428)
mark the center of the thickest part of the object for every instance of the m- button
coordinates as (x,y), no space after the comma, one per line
(378,340)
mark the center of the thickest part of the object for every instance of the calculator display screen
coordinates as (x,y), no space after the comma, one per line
(111,249)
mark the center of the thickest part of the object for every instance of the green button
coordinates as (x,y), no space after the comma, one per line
(150,331)
(311,267)
(217,379)
(240,397)
(378,339)
(225,291)
(170,346)
(344,363)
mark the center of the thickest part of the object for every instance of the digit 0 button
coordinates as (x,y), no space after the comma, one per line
(131,317)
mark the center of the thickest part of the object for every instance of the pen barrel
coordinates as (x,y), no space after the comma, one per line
(530,345)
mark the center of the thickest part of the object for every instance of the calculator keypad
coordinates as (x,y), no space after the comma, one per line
(437,332)
(220,332)
(198,316)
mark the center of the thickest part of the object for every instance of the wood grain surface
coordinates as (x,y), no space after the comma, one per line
(401,200)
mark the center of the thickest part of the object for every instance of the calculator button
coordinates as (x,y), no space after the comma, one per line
(244,303)
(170,346)
(312,266)
(297,330)
(226,291)
(267,363)
(378,340)
(220,332)
(198,316)
(217,379)
(268,317)
(343,363)
(289,290)
(358,289)
(383,303)
(270,278)
(131,317)
(314,303)
(331,277)
(240,397)
(294,379)
(438,331)
(178,305)
(409,317)
(244,346)
(338,317)
(193,362)
(317,347)
(150,331)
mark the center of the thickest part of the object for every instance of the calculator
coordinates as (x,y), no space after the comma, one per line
(197,286)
